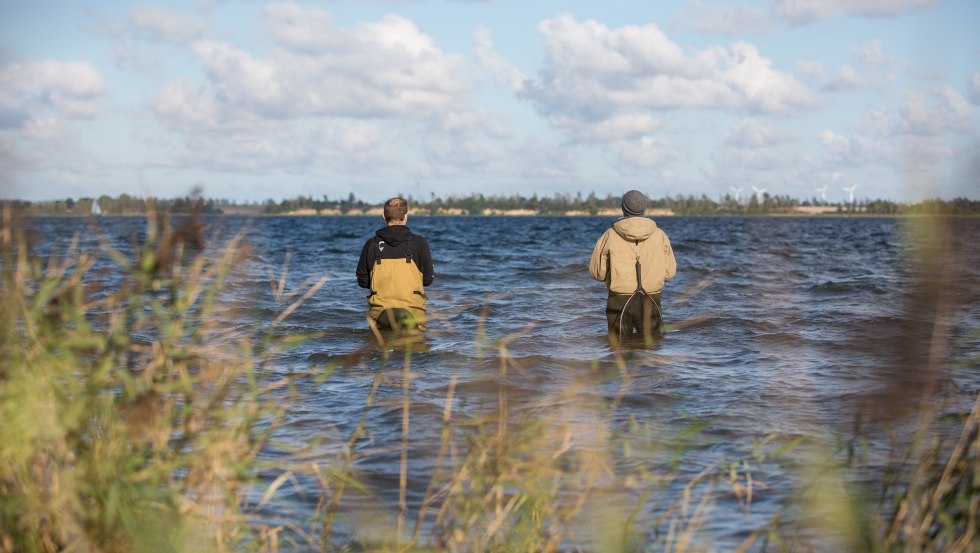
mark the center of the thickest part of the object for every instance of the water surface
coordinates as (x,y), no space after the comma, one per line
(780,326)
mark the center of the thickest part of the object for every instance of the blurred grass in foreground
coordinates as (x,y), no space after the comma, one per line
(131,420)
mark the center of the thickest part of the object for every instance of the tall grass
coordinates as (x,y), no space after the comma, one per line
(132,419)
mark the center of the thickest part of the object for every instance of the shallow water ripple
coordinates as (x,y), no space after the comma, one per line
(793,320)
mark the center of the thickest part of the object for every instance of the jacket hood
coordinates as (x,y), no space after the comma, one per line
(395,234)
(634,229)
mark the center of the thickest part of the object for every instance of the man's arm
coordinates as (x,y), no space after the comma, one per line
(598,263)
(364,266)
(425,259)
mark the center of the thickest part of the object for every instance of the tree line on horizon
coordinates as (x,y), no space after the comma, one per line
(478,204)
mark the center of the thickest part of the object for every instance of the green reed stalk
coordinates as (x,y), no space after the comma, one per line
(132,421)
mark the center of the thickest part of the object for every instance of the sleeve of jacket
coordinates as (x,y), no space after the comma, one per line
(671,262)
(598,264)
(425,258)
(364,265)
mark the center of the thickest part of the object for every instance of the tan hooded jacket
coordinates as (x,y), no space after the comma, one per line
(617,250)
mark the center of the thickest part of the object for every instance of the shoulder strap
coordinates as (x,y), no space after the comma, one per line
(639,276)
(639,270)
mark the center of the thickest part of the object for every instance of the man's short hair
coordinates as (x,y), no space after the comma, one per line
(396,209)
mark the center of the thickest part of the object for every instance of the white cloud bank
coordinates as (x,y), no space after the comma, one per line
(804,11)
(715,19)
(915,137)
(159,24)
(593,71)
(606,86)
(39,104)
(61,89)
(871,53)
(327,94)
(973,88)
(380,69)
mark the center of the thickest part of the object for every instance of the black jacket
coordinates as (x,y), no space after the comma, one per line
(396,242)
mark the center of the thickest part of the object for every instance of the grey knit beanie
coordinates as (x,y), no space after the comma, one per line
(634,203)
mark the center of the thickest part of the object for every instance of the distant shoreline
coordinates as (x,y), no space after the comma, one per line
(667,213)
(519,206)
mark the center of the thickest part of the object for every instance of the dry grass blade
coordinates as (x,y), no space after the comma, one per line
(296,304)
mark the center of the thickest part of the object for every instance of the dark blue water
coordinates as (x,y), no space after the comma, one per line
(779,327)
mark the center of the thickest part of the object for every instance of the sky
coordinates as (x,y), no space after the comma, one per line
(251,100)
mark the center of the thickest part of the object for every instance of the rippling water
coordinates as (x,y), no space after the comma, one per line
(777,325)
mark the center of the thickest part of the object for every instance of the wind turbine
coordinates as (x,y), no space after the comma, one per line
(758,193)
(823,193)
(850,191)
(737,191)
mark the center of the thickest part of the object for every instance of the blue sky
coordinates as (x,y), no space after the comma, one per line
(251,100)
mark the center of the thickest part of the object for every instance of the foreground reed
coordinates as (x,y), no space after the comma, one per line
(133,420)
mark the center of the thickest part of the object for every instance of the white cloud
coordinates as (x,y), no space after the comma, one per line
(380,69)
(186,107)
(838,145)
(846,78)
(645,152)
(354,146)
(137,58)
(926,153)
(47,145)
(159,24)
(724,20)
(875,73)
(607,86)
(871,53)
(219,136)
(620,126)
(543,161)
(755,85)
(920,135)
(804,11)
(463,143)
(973,88)
(31,89)
(593,71)
(303,28)
(592,47)
(292,108)
(751,132)
(810,71)
(948,112)
(751,151)
(456,154)
(505,74)
(248,83)
(757,160)
(40,102)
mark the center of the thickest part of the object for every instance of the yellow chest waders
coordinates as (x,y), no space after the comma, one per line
(397,284)
(641,306)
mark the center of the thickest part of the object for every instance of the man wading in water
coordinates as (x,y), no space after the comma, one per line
(396,266)
(634,259)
